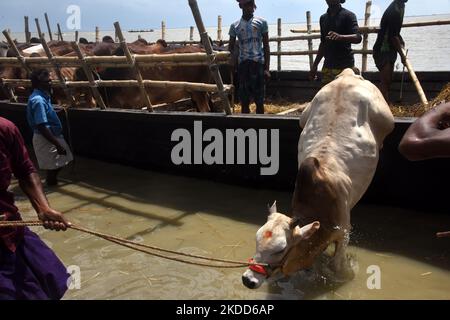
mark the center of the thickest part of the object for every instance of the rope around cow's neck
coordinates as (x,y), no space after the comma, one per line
(132,245)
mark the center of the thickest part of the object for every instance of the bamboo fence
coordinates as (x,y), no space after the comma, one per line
(89,63)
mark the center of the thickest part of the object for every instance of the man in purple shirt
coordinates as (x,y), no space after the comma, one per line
(28,268)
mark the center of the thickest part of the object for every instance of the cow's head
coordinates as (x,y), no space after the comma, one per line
(282,246)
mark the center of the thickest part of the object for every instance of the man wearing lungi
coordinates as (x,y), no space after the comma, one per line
(29,270)
(339,30)
(52,151)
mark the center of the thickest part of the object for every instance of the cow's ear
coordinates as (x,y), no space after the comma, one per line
(272,209)
(306,232)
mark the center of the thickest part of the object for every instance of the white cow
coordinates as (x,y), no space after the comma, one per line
(343,131)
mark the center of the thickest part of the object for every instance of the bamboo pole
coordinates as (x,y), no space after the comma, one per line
(191,34)
(50,35)
(376,29)
(179,85)
(271,39)
(60,35)
(219,28)
(163,30)
(135,67)
(366,35)
(307,52)
(55,65)
(209,50)
(76,64)
(38,27)
(9,90)
(279,44)
(11,94)
(310,42)
(19,56)
(149,59)
(423,97)
(90,77)
(27,30)
(97,34)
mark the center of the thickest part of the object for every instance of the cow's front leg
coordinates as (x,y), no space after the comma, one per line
(340,262)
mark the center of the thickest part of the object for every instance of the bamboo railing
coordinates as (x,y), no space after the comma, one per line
(88,63)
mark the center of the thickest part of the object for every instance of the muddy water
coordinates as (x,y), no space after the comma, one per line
(206,218)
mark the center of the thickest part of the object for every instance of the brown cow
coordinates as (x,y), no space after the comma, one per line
(130,98)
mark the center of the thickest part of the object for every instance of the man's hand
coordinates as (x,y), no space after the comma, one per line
(334,36)
(61,151)
(267,75)
(53,220)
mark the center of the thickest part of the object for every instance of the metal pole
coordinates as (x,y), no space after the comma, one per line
(76,35)
(48,27)
(209,50)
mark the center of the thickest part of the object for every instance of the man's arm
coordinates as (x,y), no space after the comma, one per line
(30,183)
(32,187)
(319,57)
(266,46)
(352,38)
(352,32)
(429,136)
(232,44)
(395,27)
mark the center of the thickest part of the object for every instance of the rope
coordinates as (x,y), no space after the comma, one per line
(133,245)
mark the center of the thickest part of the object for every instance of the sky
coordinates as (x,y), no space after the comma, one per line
(145,14)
